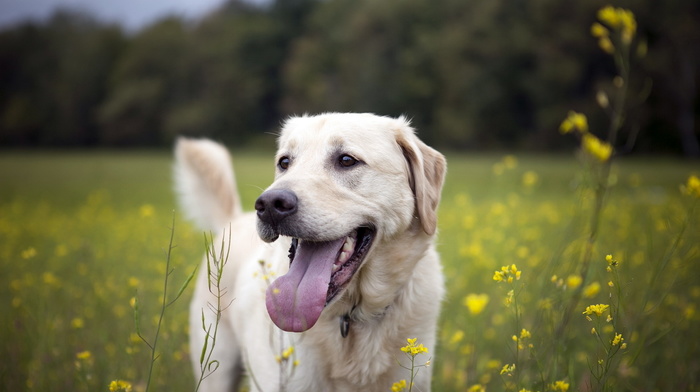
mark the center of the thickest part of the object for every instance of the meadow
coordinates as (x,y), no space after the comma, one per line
(84,233)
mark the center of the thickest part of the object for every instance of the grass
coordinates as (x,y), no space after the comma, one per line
(83,233)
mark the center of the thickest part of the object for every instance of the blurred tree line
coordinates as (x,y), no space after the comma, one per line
(471,74)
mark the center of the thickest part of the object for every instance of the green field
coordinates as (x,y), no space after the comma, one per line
(82,233)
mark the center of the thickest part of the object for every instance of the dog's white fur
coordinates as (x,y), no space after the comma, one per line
(395,294)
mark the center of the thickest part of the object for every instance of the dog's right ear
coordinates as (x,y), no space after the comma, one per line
(427,169)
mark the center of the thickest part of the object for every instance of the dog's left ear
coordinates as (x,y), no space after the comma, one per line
(427,169)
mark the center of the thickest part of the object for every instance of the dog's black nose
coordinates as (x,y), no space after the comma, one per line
(275,205)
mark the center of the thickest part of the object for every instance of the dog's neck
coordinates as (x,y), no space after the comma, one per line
(346,321)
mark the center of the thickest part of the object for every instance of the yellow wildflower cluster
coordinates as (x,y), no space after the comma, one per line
(412,349)
(617,19)
(560,386)
(83,360)
(692,187)
(509,162)
(507,274)
(28,253)
(84,355)
(286,354)
(508,369)
(574,122)
(476,388)
(596,148)
(591,290)
(590,143)
(574,281)
(520,340)
(399,386)
(119,385)
(612,263)
(598,310)
(618,339)
(509,297)
(476,302)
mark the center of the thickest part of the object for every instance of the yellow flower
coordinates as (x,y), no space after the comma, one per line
(573,281)
(609,16)
(574,121)
(530,178)
(596,309)
(77,323)
(119,385)
(509,297)
(493,364)
(617,339)
(476,302)
(457,337)
(618,18)
(288,352)
(629,25)
(412,349)
(507,273)
(50,279)
(476,388)
(133,281)
(508,369)
(498,276)
(398,386)
(510,161)
(84,355)
(146,210)
(692,186)
(599,31)
(561,386)
(591,290)
(525,334)
(28,253)
(596,148)
(606,45)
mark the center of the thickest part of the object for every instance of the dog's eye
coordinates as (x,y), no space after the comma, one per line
(283,163)
(347,161)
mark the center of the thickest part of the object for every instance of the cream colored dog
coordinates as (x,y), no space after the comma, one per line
(346,232)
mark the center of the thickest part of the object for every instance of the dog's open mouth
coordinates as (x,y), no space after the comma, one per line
(318,272)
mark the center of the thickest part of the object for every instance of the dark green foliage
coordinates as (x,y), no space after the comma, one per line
(478,74)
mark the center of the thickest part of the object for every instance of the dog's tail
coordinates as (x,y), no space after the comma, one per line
(205,184)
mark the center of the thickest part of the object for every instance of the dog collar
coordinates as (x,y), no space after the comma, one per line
(345,325)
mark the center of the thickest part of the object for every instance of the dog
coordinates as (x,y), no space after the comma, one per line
(334,270)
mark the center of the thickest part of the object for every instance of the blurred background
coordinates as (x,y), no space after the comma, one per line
(496,74)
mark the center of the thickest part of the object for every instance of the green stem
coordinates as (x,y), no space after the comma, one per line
(164,305)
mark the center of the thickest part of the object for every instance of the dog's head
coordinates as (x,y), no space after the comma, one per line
(344,184)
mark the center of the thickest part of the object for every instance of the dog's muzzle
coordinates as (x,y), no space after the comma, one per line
(273,207)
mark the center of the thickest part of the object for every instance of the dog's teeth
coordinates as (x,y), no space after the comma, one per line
(349,245)
(346,251)
(344,256)
(335,267)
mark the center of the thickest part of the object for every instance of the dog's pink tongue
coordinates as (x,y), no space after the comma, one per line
(295,300)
